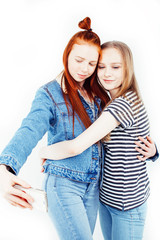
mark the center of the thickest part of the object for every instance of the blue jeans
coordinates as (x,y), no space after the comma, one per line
(122,225)
(72,207)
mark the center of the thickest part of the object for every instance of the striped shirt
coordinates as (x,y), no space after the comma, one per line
(125,182)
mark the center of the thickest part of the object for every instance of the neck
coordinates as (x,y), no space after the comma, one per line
(113,92)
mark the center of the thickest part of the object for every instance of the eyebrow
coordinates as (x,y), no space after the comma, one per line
(84,59)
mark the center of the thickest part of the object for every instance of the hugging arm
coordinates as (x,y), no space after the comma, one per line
(99,129)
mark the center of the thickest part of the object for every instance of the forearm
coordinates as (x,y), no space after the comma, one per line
(85,140)
(59,150)
(32,129)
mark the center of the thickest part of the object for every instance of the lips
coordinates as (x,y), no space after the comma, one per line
(108,81)
(81,76)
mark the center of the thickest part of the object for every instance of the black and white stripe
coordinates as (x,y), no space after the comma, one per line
(125,183)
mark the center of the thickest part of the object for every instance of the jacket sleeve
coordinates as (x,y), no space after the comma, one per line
(155,157)
(32,129)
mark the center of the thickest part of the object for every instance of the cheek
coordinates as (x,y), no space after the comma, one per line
(71,68)
(92,69)
(99,74)
(119,76)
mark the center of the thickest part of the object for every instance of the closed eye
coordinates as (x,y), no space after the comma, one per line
(79,61)
(101,67)
(92,64)
(116,67)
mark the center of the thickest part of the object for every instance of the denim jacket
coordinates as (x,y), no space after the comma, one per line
(49,114)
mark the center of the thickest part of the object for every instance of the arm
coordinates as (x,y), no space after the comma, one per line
(16,152)
(32,129)
(99,129)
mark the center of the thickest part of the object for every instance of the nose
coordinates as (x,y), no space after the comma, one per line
(107,72)
(84,67)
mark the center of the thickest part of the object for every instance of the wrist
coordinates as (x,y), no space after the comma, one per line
(42,152)
(3,167)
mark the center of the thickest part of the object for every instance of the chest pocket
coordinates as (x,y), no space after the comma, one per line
(66,120)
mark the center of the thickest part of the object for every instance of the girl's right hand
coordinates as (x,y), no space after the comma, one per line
(43,160)
(14,196)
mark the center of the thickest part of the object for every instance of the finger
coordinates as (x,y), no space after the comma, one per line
(141,158)
(142,146)
(42,170)
(16,204)
(150,139)
(144,141)
(22,194)
(43,161)
(141,152)
(13,203)
(18,201)
(20,182)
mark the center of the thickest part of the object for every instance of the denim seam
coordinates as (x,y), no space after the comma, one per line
(66,215)
(46,182)
(68,178)
(69,169)
(131,226)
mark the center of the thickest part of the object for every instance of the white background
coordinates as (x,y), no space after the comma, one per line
(33,35)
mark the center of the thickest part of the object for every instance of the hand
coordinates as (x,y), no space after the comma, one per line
(146,148)
(42,153)
(42,163)
(14,196)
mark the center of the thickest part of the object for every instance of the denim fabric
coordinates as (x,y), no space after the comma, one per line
(122,225)
(72,207)
(49,114)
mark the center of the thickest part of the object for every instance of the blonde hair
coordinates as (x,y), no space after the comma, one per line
(129,82)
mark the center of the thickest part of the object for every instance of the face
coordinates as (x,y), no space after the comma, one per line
(111,70)
(82,62)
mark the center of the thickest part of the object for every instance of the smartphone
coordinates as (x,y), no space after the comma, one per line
(39,196)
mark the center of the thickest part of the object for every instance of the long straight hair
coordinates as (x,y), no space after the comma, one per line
(129,80)
(71,96)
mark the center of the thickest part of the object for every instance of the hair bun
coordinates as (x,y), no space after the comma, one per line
(85,23)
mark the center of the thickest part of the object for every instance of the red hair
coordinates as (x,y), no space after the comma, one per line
(91,85)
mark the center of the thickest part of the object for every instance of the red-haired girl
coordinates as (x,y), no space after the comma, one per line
(64,107)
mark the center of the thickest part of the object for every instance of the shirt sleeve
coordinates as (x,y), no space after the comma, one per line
(120,108)
(32,129)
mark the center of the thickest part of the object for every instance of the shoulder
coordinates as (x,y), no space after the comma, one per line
(122,101)
(51,85)
(127,101)
(121,108)
(51,88)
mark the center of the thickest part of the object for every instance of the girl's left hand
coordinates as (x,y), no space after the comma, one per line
(146,148)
